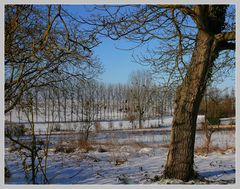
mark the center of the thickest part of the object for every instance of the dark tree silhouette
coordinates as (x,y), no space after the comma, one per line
(43,48)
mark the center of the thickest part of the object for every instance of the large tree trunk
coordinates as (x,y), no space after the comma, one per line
(187,100)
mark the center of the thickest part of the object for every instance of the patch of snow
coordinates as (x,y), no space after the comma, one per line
(129,149)
(145,151)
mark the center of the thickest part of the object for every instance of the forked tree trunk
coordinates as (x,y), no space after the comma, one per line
(179,163)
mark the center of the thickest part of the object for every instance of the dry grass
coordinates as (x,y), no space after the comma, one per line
(98,127)
(64,148)
(69,147)
(204,151)
(85,145)
(112,145)
(221,127)
(164,145)
(136,144)
(109,144)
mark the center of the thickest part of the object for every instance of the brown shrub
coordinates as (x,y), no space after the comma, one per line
(64,148)
(110,125)
(203,150)
(70,147)
(164,145)
(120,161)
(85,145)
(98,127)
(140,144)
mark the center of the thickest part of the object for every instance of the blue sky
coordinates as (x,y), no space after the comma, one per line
(118,64)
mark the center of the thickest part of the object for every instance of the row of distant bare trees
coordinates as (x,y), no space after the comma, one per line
(83,101)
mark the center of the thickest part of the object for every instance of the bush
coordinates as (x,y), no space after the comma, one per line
(101,149)
(120,125)
(15,130)
(7,172)
(232,122)
(131,118)
(85,145)
(14,147)
(64,148)
(57,127)
(98,127)
(214,121)
(110,125)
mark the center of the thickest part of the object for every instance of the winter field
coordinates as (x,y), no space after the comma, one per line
(124,156)
(119,94)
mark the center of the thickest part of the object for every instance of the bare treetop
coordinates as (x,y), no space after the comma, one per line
(44,45)
(172,27)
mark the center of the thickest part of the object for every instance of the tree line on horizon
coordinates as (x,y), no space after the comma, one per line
(139,99)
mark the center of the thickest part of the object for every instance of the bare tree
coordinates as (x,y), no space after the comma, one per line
(89,111)
(195,42)
(141,93)
(32,158)
(42,48)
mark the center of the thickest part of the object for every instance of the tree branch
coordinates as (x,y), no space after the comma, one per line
(223,40)
(225,36)
(183,8)
(227,46)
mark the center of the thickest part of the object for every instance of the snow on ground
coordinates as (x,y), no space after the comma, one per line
(134,157)
(108,125)
(140,168)
(217,167)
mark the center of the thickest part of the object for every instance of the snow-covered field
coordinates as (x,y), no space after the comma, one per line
(141,167)
(130,157)
(112,125)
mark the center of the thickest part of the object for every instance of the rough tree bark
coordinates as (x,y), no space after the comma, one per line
(189,94)
(188,97)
